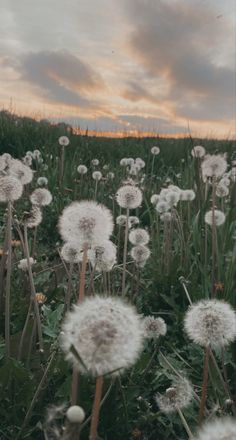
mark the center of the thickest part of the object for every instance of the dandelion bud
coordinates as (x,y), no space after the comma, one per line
(129,197)
(75,414)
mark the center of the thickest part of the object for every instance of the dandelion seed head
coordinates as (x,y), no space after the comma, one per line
(72,252)
(198,151)
(218,429)
(154,327)
(10,189)
(140,254)
(27,160)
(75,414)
(63,141)
(139,162)
(86,221)
(20,171)
(23,264)
(211,322)
(107,334)
(130,161)
(162,206)
(36,154)
(33,218)
(218,215)
(225,181)
(121,220)
(97,175)
(102,256)
(82,169)
(222,190)
(41,197)
(110,175)
(178,396)
(155,199)
(187,195)
(95,162)
(129,197)
(42,181)
(139,236)
(133,220)
(123,162)
(213,165)
(172,197)
(155,150)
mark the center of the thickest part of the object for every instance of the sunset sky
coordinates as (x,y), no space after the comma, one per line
(122,65)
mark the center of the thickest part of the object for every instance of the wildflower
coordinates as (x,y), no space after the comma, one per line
(33,218)
(155,150)
(95,162)
(20,171)
(155,199)
(10,189)
(27,160)
(42,181)
(133,220)
(139,236)
(40,298)
(172,197)
(103,256)
(219,217)
(211,322)
(123,162)
(85,221)
(36,154)
(63,141)
(213,166)
(178,396)
(23,264)
(130,161)
(82,169)
(139,162)
(140,254)
(97,175)
(187,195)
(72,252)
(75,414)
(198,151)
(218,429)
(129,197)
(222,190)
(110,175)
(154,327)
(106,333)
(41,197)
(121,220)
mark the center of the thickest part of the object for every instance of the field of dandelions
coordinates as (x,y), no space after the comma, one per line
(117,286)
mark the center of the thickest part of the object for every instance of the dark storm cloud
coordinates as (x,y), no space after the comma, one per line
(61,76)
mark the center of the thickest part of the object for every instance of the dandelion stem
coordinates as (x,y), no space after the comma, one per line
(125,252)
(187,429)
(8,279)
(62,158)
(96,408)
(204,384)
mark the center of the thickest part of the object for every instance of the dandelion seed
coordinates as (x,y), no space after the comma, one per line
(155,150)
(63,141)
(211,322)
(178,396)
(219,217)
(129,197)
(82,169)
(218,429)
(10,189)
(97,175)
(198,151)
(106,333)
(41,197)
(154,327)
(139,236)
(86,222)
(23,264)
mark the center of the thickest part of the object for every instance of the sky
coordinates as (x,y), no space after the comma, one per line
(122,66)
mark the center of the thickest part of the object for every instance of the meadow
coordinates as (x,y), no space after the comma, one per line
(140,233)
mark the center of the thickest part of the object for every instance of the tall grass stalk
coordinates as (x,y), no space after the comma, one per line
(8,278)
(125,252)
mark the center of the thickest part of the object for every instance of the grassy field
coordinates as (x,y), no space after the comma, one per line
(189,261)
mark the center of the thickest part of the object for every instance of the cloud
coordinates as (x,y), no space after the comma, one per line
(181,41)
(61,77)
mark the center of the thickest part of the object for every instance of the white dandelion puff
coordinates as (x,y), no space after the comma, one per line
(166,216)
(20,171)
(97,175)
(27,160)
(155,150)
(129,197)
(218,429)
(75,414)
(33,218)
(130,161)
(41,197)
(86,221)
(187,195)
(36,155)
(102,256)
(162,206)
(154,327)
(140,254)
(82,169)
(213,166)
(222,190)
(23,264)
(106,333)
(211,322)
(72,252)
(95,162)
(155,199)
(140,163)
(198,151)
(123,162)
(172,198)
(139,236)
(219,217)
(63,141)
(110,175)
(133,220)
(42,181)
(178,396)
(10,189)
